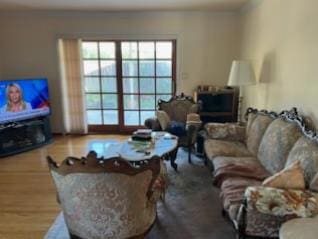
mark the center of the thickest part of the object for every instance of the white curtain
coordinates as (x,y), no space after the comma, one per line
(73,104)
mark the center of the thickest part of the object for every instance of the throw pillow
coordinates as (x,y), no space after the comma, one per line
(163,118)
(292,177)
(314,183)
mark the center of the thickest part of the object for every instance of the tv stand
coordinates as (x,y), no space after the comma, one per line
(17,137)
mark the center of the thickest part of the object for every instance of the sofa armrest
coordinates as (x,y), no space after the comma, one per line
(280,202)
(226,131)
(153,124)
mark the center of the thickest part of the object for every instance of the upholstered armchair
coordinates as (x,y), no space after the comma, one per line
(178,116)
(106,198)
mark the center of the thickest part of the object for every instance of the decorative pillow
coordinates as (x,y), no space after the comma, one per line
(292,177)
(314,183)
(163,118)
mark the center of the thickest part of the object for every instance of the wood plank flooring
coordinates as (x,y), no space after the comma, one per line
(27,195)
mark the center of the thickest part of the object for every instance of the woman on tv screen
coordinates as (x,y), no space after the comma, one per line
(15,102)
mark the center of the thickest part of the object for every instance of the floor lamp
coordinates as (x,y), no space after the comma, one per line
(241,74)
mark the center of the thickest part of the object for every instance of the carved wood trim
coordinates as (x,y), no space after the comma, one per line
(181,97)
(290,116)
(92,164)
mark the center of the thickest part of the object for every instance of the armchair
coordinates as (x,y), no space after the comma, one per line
(178,116)
(106,198)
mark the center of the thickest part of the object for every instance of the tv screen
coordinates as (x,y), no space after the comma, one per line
(23,99)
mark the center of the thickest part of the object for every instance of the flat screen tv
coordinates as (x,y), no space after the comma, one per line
(23,99)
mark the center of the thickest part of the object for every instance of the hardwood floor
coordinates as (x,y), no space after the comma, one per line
(27,195)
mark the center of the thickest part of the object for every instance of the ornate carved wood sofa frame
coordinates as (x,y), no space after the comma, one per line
(242,157)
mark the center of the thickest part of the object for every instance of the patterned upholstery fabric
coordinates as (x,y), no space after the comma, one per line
(227,131)
(276,143)
(223,161)
(306,151)
(215,148)
(108,199)
(93,202)
(256,131)
(249,122)
(179,109)
(232,193)
(267,208)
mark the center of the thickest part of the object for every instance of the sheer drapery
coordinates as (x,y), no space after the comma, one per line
(74,115)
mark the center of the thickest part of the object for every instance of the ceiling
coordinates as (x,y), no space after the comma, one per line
(123,5)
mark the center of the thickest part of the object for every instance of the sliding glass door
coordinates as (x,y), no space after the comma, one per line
(124,80)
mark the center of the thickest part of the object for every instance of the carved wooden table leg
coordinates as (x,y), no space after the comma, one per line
(173,157)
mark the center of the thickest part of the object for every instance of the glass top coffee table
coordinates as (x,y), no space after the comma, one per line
(164,145)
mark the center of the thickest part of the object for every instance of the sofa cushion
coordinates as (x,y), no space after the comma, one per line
(253,171)
(233,191)
(276,144)
(291,177)
(223,161)
(255,132)
(214,147)
(306,151)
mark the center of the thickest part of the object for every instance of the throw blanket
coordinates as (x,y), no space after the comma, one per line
(233,170)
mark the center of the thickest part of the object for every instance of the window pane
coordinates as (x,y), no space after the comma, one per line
(131,117)
(107,50)
(163,97)
(131,102)
(164,68)
(164,85)
(93,101)
(147,102)
(108,68)
(109,85)
(110,101)
(89,50)
(164,50)
(130,68)
(129,50)
(91,68)
(130,85)
(110,117)
(147,85)
(94,117)
(92,84)
(147,68)
(146,115)
(146,50)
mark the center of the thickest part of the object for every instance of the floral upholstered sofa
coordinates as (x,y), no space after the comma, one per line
(267,170)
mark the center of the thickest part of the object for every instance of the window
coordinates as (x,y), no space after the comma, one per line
(125,79)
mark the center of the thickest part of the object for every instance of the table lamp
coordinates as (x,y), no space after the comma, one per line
(241,74)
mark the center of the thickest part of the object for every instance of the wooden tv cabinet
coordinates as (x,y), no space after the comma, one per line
(218,106)
(24,135)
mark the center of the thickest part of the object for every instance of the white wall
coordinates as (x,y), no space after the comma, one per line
(206,43)
(281,37)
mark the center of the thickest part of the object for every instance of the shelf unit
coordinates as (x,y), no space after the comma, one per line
(25,135)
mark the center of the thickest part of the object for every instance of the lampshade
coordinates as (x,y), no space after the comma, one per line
(241,74)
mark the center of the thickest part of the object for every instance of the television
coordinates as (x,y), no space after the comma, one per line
(222,102)
(23,99)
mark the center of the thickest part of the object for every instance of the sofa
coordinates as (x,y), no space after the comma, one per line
(266,170)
